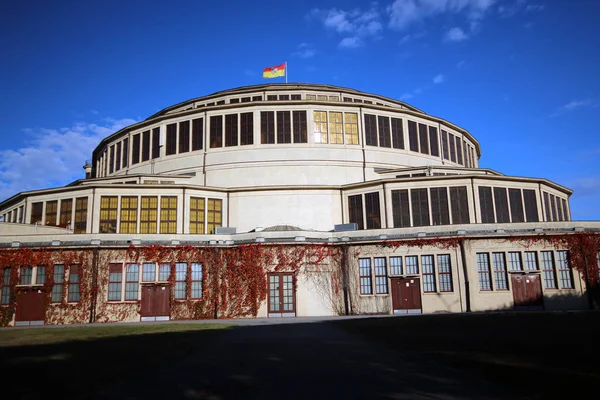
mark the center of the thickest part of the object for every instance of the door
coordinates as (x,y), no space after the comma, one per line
(155,304)
(282,295)
(31,308)
(406,296)
(527,291)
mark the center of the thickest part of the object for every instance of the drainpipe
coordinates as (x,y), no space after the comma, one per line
(466,275)
(94,286)
(345,280)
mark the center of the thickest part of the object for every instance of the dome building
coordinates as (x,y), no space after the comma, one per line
(383,206)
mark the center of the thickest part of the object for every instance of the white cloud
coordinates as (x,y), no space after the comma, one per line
(574,104)
(535,7)
(54,157)
(461,64)
(350,43)
(356,25)
(455,34)
(406,96)
(404,13)
(439,78)
(305,50)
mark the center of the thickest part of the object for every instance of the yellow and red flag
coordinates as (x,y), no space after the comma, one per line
(273,72)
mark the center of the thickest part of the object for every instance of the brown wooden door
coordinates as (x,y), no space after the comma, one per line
(155,303)
(282,295)
(31,308)
(527,291)
(406,295)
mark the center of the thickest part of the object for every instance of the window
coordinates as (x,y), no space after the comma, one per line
(514,261)
(36,212)
(355,210)
(234,101)
(146,145)
(271,97)
(336,128)
(433,141)
(351,128)
(74,288)
(128,223)
(397,133)
(553,207)
(531,211)
(516,205)
(196,281)
(115,282)
(148,214)
(396,265)
(321,97)
(132,278)
(168,214)
(452,148)
(284,127)
(547,212)
(164,271)
(483,270)
(40,276)
(564,270)
(51,209)
(445,272)
(184,136)
(384,131)
(118,157)
(135,155)
(311,97)
(320,127)
(564,204)
(155,143)
(501,205)
(125,152)
(347,100)
(459,157)
(148,272)
(214,215)
(81,214)
(531,263)
(424,145)
(196,215)
(381,285)
(246,128)
(400,208)
(445,145)
(231,130)
(5,297)
(197,131)
(485,202)
(500,277)
(370,130)
(412,265)
(66,208)
(171,139)
(460,205)
(257,98)
(300,130)
(559,210)
(267,127)
(440,214)
(428,274)
(216,131)
(420,207)
(58,283)
(111,164)
(108,214)
(373,212)
(296,97)
(548,270)
(365,276)
(180,275)
(412,136)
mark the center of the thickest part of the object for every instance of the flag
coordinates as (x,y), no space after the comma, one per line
(273,72)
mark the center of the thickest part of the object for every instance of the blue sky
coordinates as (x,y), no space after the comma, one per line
(520,75)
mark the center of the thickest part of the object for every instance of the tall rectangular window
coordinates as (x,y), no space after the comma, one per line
(214,215)
(366,285)
(196,280)
(40,276)
(118,157)
(320,127)
(146,146)
(108,214)
(115,282)
(111,165)
(424,145)
(284,127)
(168,214)
(397,133)
(452,147)
(155,143)
(372,209)
(531,211)
(516,205)
(197,132)
(351,128)
(564,270)
(132,279)
(370,130)
(420,207)
(413,140)
(559,210)
(246,128)
(171,139)
(564,204)
(483,270)
(36,212)
(51,210)
(445,153)
(184,136)
(135,150)
(553,208)
(5,297)
(26,276)
(381,284)
(396,265)
(384,131)
(428,274)
(66,209)
(400,208)
(459,155)
(500,277)
(196,215)
(501,205)
(531,263)
(412,265)
(433,141)
(81,205)
(148,272)
(547,212)
(548,270)
(231,130)
(180,275)
(440,214)
(164,271)
(514,261)
(486,205)
(300,130)
(125,152)
(445,272)
(58,283)
(216,131)
(148,214)
(74,284)
(267,127)
(128,222)
(355,210)
(460,205)
(336,128)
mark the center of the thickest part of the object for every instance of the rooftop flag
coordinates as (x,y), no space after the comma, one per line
(273,72)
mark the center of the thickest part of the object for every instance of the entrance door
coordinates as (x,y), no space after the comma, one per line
(31,308)
(406,295)
(527,291)
(282,295)
(155,303)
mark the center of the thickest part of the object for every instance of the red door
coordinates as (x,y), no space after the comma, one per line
(527,291)
(406,295)
(31,308)
(155,304)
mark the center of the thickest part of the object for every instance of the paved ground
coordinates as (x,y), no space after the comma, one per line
(300,361)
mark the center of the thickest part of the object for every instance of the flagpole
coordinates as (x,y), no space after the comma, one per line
(286,72)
